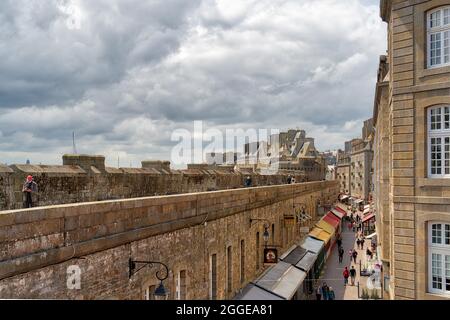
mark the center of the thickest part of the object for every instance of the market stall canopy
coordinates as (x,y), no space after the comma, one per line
(313,245)
(320,234)
(367,206)
(253,292)
(283,279)
(331,219)
(326,226)
(359,201)
(294,255)
(366,211)
(307,261)
(338,214)
(339,209)
(368,217)
(344,197)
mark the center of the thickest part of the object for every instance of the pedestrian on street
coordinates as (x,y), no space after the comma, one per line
(358,243)
(29,187)
(325,291)
(362,242)
(369,254)
(354,255)
(353,275)
(331,295)
(341,254)
(339,242)
(346,274)
(319,293)
(289,179)
(350,224)
(354,226)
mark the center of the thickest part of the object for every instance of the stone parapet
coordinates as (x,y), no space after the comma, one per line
(38,245)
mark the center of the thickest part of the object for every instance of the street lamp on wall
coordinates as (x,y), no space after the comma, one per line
(160,292)
(266,234)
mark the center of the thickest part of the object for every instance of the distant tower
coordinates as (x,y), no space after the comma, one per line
(28,161)
(73,143)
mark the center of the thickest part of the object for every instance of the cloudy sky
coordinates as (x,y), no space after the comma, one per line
(124,74)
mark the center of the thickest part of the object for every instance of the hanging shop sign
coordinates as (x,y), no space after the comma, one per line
(270,256)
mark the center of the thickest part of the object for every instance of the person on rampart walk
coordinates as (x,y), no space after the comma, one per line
(29,187)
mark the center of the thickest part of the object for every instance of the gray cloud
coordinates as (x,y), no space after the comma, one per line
(134,71)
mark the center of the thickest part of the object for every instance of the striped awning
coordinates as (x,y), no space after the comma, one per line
(331,219)
(320,234)
(326,226)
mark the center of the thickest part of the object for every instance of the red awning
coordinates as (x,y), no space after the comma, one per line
(341,210)
(330,218)
(331,215)
(368,217)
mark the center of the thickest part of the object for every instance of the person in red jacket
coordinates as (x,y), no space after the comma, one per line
(29,187)
(346,275)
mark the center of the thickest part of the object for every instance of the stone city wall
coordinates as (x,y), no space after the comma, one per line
(85,179)
(38,245)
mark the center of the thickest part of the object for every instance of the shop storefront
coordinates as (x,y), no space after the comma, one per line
(307,264)
(368,223)
(359,204)
(345,199)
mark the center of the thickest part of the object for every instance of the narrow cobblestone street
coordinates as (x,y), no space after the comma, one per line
(333,270)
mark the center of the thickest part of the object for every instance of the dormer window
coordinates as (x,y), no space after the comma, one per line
(438,35)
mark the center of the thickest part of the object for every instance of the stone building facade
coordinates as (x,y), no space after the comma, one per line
(412,144)
(206,239)
(361,169)
(291,151)
(343,172)
(355,165)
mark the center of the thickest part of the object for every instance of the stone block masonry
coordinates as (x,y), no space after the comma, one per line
(37,246)
(84,178)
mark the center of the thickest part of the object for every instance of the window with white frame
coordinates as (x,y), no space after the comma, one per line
(438,35)
(439,142)
(439,257)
